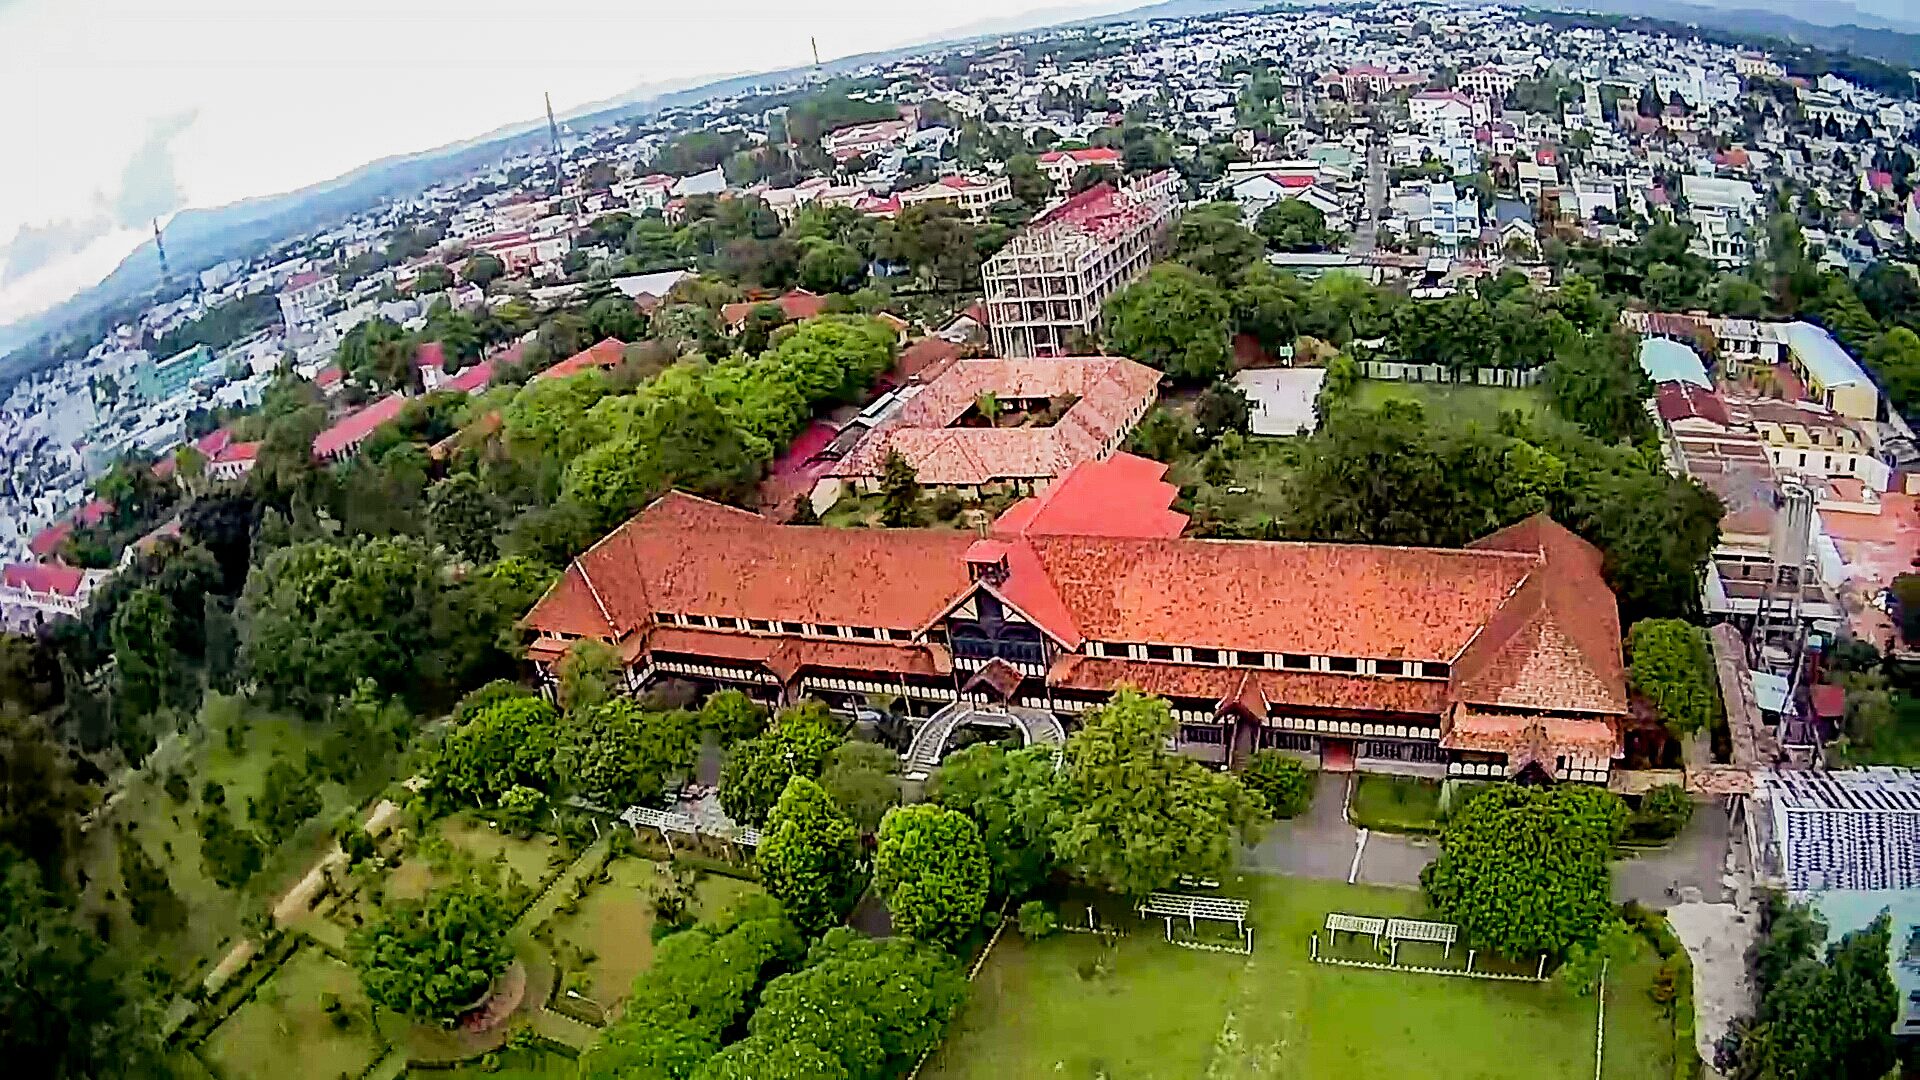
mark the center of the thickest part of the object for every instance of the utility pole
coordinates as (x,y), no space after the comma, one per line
(553,133)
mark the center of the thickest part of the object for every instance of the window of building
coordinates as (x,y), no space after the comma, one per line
(826,630)
(866,632)
(1286,740)
(793,628)
(666,618)
(1433,669)
(1345,664)
(1388,667)
(1250,659)
(1159,652)
(1198,733)
(759,626)
(1296,661)
(899,635)
(1206,656)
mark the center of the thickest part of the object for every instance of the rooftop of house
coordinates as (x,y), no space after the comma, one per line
(601,355)
(1522,617)
(356,426)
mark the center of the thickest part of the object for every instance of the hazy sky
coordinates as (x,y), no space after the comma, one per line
(113,112)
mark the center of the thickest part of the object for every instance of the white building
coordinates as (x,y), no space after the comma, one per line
(1045,287)
(974,195)
(305,297)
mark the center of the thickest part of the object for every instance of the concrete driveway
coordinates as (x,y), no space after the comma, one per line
(1321,843)
(1696,859)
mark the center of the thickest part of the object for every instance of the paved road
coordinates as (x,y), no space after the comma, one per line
(1366,231)
(1321,843)
(1697,858)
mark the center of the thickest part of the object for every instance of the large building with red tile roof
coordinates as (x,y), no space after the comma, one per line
(1050,415)
(1497,660)
(346,435)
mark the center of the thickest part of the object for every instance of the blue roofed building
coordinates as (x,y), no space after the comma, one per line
(1666,360)
(1833,378)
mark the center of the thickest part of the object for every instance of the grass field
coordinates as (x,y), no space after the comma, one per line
(1395,803)
(1167,1013)
(614,923)
(1483,403)
(285,1030)
(169,831)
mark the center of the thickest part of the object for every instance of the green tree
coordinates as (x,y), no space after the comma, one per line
(1293,225)
(1664,811)
(615,317)
(432,278)
(1284,784)
(483,269)
(588,675)
(619,755)
(1137,817)
(732,716)
(1524,871)
(757,770)
(288,798)
(1827,1020)
(1672,666)
(42,801)
(70,1009)
(1221,408)
(463,515)
(1211,239)
(509,743)
(151,900)
(231,855)
(899,492)
(1014,799)
(1173,319)
(862,779)
(1599,385)
(433,957)
(876,1005)
(829,267)
(757,1058)
(806,856)
(1266,304)
(931,869)
(144,659)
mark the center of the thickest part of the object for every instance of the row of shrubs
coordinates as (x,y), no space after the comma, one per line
(1672,984)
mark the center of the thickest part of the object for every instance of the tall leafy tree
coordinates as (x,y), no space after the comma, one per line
(432,957)
(931,869)
(1173,319)
(1137,817)
(618,754)
(806,856)
(1673,667)
(757,770)
(69,1008)
(1524,871)
(876,1005)
(509,743)
(1013,797)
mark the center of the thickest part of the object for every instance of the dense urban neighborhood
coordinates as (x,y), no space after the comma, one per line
(1093,552)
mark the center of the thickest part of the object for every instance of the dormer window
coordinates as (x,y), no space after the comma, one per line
(1296,661)
(1159,652)
(1206,656)
(793,628)
(1388,667)
(1346,665)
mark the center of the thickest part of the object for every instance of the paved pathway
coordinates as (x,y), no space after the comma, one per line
(1321,843)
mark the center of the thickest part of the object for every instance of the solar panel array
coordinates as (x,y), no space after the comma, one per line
(1849,830)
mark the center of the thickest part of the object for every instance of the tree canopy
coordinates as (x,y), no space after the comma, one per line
(433,957)
(931,870)
(1523,871)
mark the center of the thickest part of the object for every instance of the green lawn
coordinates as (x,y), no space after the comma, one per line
(169,831)
(613,925)
(453,848)
(1395,803)
(285,1030)
(1167,1013)
(1484,403)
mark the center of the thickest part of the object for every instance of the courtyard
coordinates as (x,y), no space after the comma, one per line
(1482,403)
(1071,1006)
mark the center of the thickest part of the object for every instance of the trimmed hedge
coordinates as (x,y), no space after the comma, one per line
(1677,966)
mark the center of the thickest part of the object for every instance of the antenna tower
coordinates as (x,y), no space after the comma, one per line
(160,245)
(815,42)
(553,133)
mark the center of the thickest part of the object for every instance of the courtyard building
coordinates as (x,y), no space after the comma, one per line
(983,427)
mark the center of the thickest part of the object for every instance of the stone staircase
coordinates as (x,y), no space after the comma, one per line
(1037,727)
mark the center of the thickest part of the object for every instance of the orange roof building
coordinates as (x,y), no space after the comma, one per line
(1495,660)
(1049,415)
